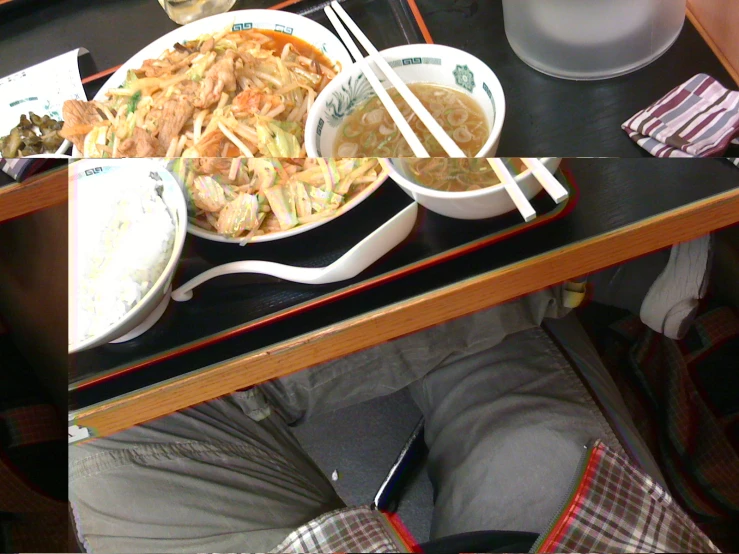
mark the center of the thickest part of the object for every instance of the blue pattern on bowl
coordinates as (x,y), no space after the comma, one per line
(345,101)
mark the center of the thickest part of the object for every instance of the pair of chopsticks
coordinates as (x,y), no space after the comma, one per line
(336,14)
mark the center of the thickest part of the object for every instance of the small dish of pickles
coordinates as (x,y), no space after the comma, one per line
(33,136)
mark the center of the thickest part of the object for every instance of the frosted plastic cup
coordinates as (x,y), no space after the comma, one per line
(183,12)
(591,39)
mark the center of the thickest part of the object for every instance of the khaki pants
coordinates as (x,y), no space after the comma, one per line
(506,422)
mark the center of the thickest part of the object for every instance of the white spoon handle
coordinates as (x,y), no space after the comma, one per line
(306,275)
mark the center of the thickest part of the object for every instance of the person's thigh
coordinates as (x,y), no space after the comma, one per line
(572,338)
(391,366)
(506,429)
(224,476)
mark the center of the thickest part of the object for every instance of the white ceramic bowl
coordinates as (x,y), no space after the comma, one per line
(474,204)
(274,20)
(414,63)
(89,172)
(372,187)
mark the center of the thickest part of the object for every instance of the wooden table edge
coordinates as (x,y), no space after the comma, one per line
(37,193)
(414,314)
(734,72)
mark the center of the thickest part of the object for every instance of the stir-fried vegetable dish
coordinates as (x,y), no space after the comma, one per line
(243,198)
(233,93)
(33,135)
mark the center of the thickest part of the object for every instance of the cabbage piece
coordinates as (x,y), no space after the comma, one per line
(225,44)
(313,78)
(130,78)
(198,69)
(97,136)
(264,170)
(278,140)
(334,177)
(281,201)
(134,102)
(239,215)
(208,194)
(324,200)
(182,175)
(303,204)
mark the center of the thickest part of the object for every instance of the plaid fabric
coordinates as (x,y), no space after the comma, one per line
(699,118)
(33,508)
(683,398)
(614,507)
(359,529)
(617,508)
(31,424)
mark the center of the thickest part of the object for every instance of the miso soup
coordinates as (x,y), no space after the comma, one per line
(370,131)
(457,174)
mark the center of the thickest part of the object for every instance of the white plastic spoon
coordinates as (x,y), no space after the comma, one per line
(360,257)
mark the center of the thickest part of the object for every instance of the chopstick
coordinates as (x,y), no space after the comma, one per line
(403,126)
(547,180)
(446,142)
(509,182)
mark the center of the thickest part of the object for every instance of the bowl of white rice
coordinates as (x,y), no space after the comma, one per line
(127,227)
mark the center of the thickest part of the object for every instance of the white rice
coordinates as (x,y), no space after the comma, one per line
(124,238)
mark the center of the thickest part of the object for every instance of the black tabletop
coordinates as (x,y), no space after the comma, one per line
(613,193)
(545,116)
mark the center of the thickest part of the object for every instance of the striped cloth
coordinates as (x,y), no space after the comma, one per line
(699,118)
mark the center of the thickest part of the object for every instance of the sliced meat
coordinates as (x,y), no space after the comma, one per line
(213,166)
(221,76)
(175,113)
(79,119)
(250,102)
(207,46)
(212,145)
(140,145)
(171,64)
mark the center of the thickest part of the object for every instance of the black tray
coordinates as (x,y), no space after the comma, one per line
(235,304)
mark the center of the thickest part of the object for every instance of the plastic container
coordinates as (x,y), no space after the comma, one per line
(591,39)
(183,12)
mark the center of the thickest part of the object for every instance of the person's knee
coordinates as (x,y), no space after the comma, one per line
(512,479)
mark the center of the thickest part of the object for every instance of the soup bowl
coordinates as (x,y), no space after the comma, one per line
(474,204)
(414,63)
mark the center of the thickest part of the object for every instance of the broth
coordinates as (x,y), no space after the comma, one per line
(458,174)
(369,130)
